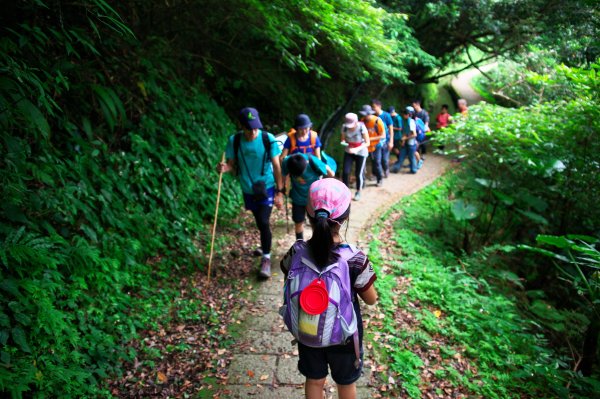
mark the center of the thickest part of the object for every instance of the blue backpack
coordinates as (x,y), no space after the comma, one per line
(329,161)
(420,130)
(338,322)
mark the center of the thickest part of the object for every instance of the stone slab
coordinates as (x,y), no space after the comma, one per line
(266,342)
(264,392)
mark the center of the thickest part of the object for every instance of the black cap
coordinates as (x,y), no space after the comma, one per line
(248,117)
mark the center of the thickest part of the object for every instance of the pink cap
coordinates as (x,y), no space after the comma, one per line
(330,195)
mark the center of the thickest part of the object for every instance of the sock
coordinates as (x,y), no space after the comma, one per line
(267,256)
(300,236)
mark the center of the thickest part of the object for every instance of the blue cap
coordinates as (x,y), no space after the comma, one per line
(248,117)
(302,122)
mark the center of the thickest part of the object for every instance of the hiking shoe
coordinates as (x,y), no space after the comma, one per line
(265,268)
(379,183)
(386,174)
(420,164)
(357,196)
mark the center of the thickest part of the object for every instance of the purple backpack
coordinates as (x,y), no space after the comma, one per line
(338,322)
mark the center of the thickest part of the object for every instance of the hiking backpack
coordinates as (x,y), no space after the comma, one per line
(294,142)
(420,129)
(338,322)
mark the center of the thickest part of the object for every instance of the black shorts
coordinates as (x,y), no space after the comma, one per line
(298,213)
(340,359)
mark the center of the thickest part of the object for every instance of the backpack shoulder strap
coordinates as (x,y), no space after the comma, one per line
(292,137)
(267,145)
(236,144)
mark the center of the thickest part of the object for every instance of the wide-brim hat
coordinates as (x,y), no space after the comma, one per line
(249,118)
(302,122)
(350,120)
(366,110)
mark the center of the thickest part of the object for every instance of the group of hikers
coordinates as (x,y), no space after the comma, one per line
(325,276)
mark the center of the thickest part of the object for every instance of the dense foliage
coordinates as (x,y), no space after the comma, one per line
(468,324)
(113,115)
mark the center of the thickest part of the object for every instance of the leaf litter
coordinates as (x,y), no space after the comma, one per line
(190,353)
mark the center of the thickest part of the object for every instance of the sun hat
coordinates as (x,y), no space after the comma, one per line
(410,109)
(350,120)
(248,117)
(391,109)
(302,122)
(366,110)
(329,196)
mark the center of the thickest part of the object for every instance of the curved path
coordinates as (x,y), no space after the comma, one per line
(264,363)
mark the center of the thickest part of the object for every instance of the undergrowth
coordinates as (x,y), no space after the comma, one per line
(474,305)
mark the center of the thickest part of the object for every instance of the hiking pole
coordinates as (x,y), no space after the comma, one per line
(212,241)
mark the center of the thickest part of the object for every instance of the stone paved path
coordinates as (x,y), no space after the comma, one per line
(265,362)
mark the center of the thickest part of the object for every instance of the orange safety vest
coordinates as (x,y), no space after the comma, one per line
(375,128)
(303,149)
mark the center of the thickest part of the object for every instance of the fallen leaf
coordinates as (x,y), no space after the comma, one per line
(250,373)
(162,377)
(437,313)
(264,377)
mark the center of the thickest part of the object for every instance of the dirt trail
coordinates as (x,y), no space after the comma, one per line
(264,363)
(462,83)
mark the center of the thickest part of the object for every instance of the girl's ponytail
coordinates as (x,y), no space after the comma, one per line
(321,241)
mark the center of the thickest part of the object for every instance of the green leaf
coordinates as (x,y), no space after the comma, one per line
(18,335)
(536,217)
(463,211)
(5,357)
(556,241)
(34,116)
(4,334)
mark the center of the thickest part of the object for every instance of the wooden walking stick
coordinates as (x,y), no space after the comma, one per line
(212,241)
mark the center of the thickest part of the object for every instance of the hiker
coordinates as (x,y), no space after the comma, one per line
(396,124)
(355,139)
(462,107)
(408,143)
(304,170)
(420,128)
(301,138)
(253,155)
(324,277)
(386,146)
(423,115)
(443,118)
(376,131)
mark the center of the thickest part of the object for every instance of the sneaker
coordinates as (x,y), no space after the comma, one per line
(257,252)
(386,174)
(357,196)
(265,268)
(420,164)
(379,183)
(422,157)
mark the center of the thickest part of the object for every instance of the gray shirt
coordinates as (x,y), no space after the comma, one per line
(356,136)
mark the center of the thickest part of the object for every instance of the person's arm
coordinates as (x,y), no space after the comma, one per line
(366,138)
(369,296)
(284,153)
(318,152)
(391,143)
(381,127)
(229,166)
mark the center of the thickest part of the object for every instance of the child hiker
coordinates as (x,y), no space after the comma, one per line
(324,278)
(304,170)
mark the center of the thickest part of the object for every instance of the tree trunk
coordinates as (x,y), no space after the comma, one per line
(327,127)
